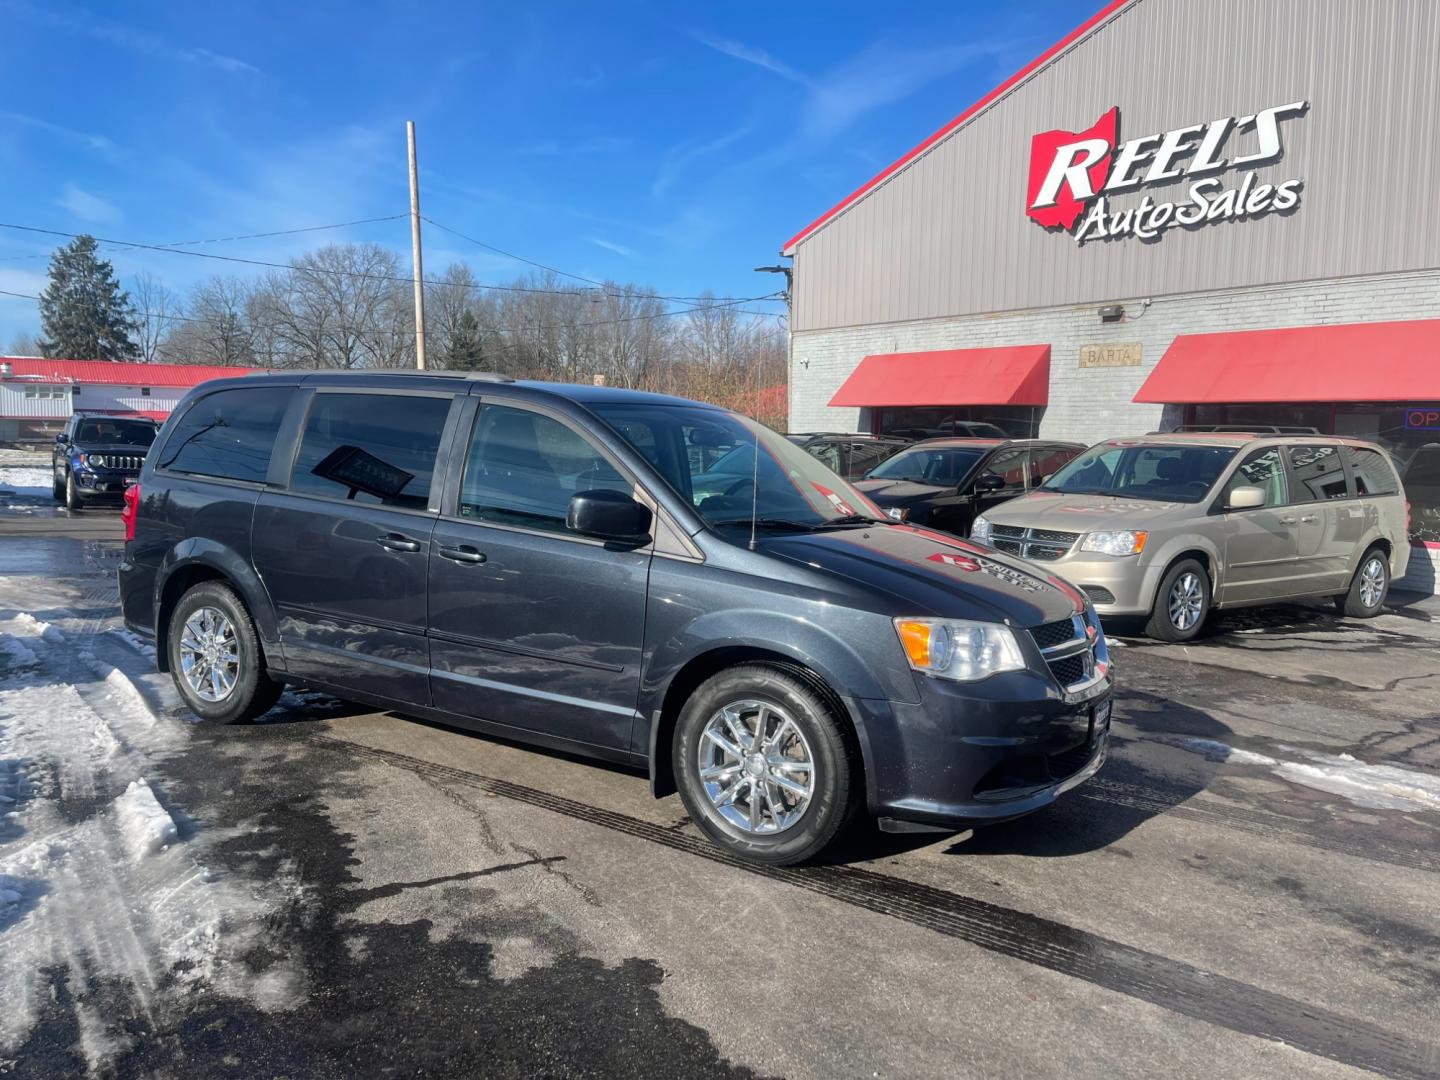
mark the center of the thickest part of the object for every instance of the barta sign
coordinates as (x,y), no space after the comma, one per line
(1074,173)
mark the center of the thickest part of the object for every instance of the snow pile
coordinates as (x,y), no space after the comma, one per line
(1376,787)
(26,624)
(28,480)
(17,652)
(145,825)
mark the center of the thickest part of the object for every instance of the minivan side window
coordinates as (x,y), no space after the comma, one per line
(1373,475)
(1317,471)
(523,467)
(1265,470)
(370,448)
(228,434)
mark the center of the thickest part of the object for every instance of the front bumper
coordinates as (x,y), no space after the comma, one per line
(1115,585)
(973,753)
(96,485)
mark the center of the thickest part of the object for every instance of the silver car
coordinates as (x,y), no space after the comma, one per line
(1170,526)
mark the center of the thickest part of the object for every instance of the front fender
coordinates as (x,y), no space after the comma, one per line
(198,551)
(1176,546)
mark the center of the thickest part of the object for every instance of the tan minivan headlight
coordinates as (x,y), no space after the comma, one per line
(1123,542)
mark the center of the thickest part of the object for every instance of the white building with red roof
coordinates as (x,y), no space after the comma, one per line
(38,395)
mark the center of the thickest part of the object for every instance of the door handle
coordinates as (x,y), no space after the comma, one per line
(1308,519)
(463,554)
(397,542)
(1287,521)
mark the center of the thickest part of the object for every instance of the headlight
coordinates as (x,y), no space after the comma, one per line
(97,460)
(897,513)
(980,530)
(1124,542)
(958,648)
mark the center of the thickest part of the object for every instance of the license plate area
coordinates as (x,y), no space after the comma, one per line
(1099,720)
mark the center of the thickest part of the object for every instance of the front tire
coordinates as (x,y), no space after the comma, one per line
(57,486)
(73,502)
(1368,588)
(1182,603)
(764,765)
(215,657)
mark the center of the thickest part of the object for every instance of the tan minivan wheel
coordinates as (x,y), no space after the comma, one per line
(1182,603)
(1368,587)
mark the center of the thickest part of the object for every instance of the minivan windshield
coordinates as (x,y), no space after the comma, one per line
(1168,473)
(944,467)
(787,488)
(116,432)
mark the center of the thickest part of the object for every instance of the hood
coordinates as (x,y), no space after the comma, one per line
(110,448)
(932,573)
(1080,513)
(900,492)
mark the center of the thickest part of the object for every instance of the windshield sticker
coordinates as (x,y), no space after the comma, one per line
(835,500)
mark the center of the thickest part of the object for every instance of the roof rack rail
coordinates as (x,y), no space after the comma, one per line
(471,376)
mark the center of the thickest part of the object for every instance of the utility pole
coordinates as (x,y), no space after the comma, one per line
(415,246)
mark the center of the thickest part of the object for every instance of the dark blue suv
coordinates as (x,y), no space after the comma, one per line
(538,561)
(97,457)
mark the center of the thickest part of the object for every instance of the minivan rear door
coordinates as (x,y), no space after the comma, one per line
(531,625)
(1326,532)
(344,550)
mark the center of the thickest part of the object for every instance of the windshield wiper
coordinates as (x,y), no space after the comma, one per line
(853,519)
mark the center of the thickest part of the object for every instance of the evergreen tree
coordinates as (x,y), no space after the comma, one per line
(464,352)
(85,314)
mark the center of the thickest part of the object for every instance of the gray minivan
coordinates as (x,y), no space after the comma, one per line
(539,562)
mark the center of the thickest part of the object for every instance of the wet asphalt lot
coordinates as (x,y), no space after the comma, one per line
(444,904)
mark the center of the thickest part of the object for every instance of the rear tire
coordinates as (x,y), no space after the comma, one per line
(1368,588)
(57,486)
(761,804)
(215,657)
(73,502)
(1182,603)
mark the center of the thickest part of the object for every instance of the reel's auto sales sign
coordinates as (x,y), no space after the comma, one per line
(1073,174)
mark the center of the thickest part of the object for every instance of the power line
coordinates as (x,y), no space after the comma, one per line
(244,236)
(330,271)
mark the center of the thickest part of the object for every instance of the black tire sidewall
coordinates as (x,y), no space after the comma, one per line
(1159,626)
(72,494)
(254,692)
(835,772)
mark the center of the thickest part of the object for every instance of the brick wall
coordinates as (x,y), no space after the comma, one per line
(1088,404)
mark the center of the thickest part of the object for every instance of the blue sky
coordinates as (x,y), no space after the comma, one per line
(668,144)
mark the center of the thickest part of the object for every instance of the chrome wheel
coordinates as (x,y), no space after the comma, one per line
(1372,582)
(1187,599)
(209,654)
(756,767)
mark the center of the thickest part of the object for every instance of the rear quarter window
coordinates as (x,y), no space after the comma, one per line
(228,434)
(1373,474)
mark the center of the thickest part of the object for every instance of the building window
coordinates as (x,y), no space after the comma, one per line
(145,391)
(975,421)
(45,392)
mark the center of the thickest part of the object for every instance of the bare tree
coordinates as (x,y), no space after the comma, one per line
(216,330)
(156,309)
(23,344)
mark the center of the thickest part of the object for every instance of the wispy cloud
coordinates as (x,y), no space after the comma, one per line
(610,245)
(85,138)
(678,158)
(599,144)
(135,41)
(81,204)
(738,50)
(882,75)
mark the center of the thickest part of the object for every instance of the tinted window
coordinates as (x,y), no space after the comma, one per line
(1172,473)
(1317,473)
(828,453)
(945,467)
(1046,461)
(116,432)
(370,448)
(228,434)
(1265,471)
(1009,465)
(864,457)
(523,467)
(1373,475)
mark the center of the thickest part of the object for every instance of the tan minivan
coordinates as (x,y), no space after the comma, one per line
(1171,526)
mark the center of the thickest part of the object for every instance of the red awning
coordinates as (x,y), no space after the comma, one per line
(1379,361)
(1014,375)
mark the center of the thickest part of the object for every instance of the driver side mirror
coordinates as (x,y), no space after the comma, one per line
(1245,498)
(990,482)
(60,439)
(609,515)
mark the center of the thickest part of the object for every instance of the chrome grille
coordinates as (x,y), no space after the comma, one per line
(123,462)
(1039,545)
(1053,633)
(1068,647)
